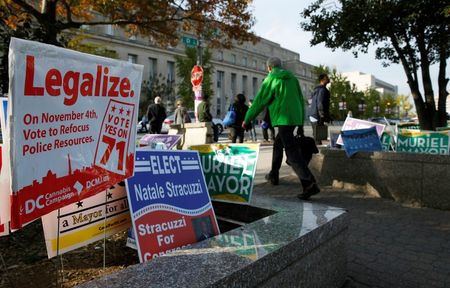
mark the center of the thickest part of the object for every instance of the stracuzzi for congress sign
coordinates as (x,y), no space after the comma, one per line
(72,123)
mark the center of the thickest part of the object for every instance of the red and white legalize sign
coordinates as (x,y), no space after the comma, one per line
(73,118)
(196,76)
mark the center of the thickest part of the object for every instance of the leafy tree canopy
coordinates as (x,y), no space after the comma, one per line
(413,33)
(218,21)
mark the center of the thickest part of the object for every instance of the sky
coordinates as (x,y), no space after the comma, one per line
(279,21)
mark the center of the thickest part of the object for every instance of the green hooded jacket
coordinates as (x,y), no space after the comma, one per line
(281,92)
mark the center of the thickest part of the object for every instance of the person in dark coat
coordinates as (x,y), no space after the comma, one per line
(204,115)
(319,111)
(156,113)
(236,130)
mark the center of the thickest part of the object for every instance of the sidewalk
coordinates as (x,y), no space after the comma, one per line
(389,245)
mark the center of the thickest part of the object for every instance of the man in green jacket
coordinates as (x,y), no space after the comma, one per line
(281,93)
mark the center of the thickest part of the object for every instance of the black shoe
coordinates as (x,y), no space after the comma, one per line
(274,180)
(313,189)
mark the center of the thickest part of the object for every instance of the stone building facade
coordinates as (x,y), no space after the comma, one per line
(239,70)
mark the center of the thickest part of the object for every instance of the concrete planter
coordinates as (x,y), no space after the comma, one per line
(416,179)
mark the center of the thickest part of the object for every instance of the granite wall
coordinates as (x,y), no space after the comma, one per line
(421,180)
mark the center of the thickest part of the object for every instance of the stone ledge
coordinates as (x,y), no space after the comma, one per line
(414,179)
(261,253)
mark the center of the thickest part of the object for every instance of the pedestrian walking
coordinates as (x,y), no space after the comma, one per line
(204,115)
(240,108)
(266,126)
(156,113)
(319,110)
(281,93)
(252,129)
(181,113)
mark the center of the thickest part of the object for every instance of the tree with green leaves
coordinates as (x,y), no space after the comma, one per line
(184,67)
(413,33)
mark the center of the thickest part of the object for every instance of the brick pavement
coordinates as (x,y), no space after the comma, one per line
(389,245)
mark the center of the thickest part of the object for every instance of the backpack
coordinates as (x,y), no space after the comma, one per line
(230,117)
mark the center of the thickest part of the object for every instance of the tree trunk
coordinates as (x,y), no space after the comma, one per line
(442,86)
(50,23)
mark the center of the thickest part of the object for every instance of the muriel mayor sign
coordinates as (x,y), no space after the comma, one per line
(430,142)
(229,170)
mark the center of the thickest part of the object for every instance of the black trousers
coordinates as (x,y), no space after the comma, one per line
(266,133)
(285,140)
(236,132)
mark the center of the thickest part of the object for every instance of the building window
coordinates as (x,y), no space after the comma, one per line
(254,64)
(254,86)
(304,72)
(244,84)
(233,84)
(220,56)
(132,58)
(263,66)
(244,61)
(152,68)
(233,58)
(220,92)
(109,30)
(220,79)
(170,71)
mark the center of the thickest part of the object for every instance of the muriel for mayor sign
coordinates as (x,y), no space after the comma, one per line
(229,170)
(429,142)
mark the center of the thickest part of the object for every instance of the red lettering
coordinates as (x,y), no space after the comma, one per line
(114,83)
(71,91)
(87,85)
(29,89)
(52,79)
(68,83)
(125,87)
(105,82)
(98,80)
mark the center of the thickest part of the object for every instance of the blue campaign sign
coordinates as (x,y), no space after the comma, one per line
(361,140)
(169,202)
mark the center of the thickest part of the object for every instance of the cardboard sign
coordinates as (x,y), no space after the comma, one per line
(353,123)
(153,140)
(86,221)
(429,142)
(73,126)
(169,202)
(229,170)
(360,140)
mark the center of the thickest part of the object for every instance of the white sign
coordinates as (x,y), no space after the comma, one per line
(86,221)
(354,123)
(73,118)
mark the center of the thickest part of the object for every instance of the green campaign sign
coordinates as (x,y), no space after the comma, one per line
(386,139)
(429,142)
(229,170)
